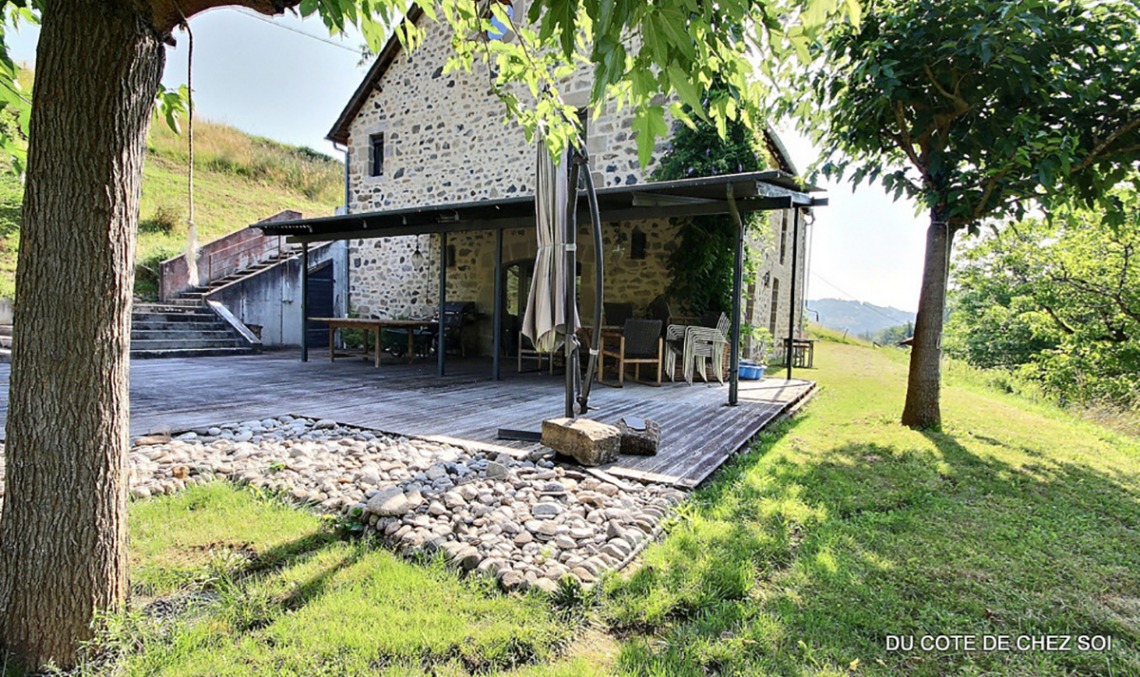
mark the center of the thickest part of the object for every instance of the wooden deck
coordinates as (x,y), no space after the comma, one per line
(699,432)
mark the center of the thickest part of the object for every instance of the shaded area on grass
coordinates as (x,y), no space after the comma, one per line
(845,527)
(251,586)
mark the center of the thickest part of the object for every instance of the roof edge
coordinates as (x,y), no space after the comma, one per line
(776,145)
(339,131)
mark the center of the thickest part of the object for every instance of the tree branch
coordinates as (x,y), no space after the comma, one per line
(1057,320)
(1101,147)
(990,185)
(903,141)
(167,14)
(959,102)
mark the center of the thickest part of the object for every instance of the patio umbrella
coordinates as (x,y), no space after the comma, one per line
(546,311)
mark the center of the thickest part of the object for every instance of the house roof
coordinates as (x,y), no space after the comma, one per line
(754,191)
(340,130)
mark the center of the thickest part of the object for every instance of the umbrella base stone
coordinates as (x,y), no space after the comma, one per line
(588,442)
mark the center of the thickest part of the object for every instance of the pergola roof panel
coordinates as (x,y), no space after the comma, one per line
(755,191)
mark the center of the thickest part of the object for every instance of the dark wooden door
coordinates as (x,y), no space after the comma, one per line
(320,302)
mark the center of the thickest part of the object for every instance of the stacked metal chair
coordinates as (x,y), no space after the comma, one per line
(697,344)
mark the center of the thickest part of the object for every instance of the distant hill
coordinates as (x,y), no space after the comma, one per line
(238,179)
(857,317)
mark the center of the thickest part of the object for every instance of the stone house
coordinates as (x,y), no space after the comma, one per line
(417,138)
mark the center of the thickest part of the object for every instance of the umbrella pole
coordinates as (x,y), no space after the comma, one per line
(599,283)
(568,279)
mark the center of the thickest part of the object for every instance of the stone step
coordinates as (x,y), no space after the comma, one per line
(185,343)
(148,354)
(202,292)
(176,306)
(187,324)
(188,318)
(214,333)
(169,302)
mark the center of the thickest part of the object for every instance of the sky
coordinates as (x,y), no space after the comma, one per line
(264,77)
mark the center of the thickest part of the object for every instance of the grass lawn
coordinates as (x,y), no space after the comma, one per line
(800,557)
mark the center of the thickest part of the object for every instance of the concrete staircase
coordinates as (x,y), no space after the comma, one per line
(199,294)
(183,327)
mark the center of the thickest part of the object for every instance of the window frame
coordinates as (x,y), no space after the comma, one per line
(376,164)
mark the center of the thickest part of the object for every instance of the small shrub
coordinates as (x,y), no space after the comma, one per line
(165,219)
(571,599)
(147,274)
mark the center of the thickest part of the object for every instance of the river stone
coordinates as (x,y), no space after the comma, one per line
(586,441)
(388,502)
(495,470)
(546,510)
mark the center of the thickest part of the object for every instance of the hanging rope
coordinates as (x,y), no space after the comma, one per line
(191,253)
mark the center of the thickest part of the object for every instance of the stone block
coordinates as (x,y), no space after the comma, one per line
(588,442)
(640,441)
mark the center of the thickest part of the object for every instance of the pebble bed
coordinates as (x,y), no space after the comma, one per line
(526,522)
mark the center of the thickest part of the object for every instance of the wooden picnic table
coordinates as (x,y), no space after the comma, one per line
(374,325)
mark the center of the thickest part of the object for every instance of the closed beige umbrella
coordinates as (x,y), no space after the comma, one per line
(545,316)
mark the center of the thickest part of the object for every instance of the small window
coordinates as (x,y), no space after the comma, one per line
(783,238)
(637,245)
(376,155)
(773,313)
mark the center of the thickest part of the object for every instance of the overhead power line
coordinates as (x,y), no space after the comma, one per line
(254,15)
(851,297)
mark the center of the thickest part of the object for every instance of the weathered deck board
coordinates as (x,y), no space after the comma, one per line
(699,432)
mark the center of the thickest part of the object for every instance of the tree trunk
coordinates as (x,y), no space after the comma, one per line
(63,532)
(924,383)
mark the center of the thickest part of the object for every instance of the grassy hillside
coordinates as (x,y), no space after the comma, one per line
(800,557)
(238,179)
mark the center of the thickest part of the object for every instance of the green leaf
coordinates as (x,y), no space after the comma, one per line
(689,93)
(648,124)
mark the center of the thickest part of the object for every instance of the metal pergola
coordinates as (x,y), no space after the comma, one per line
(734,195)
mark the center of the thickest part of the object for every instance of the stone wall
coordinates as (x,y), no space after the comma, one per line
(774,273)
(445,139)
(386,282)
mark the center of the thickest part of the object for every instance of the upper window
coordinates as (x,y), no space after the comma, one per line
(376,155)
(773,309)
(783,237)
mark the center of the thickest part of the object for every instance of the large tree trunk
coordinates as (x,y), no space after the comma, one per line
(63,532)
(924,383)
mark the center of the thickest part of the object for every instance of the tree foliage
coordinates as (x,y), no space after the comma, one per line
(701,266)
(891,335)
(981,107)
(975,109)
(1057,301)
